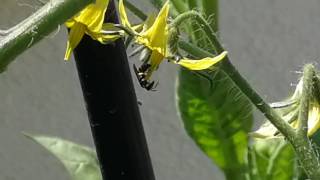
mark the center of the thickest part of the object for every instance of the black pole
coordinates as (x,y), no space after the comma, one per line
(113,109)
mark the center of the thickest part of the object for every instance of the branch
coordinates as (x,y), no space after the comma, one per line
(37,26)
(308,75)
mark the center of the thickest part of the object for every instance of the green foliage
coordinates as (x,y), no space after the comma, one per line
(80,161)
(217,117)
(272,159)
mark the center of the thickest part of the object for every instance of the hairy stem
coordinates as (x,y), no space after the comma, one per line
(256,99)
(308,74)
(233,73)
(307,157)
(244,86)
(300,143)
(211,10)
(203,23)
(36,27)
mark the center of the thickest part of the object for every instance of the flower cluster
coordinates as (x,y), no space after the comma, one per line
(152,35)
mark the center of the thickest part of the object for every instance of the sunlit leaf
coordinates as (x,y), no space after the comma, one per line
(217,117)
(80,161)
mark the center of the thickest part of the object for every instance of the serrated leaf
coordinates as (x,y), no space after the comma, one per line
(217,118)
(275,159)
(80,161)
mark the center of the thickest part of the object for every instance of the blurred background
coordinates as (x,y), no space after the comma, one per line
(269,41)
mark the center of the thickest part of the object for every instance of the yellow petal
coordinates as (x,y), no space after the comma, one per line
(123,15)
(69,23)
(156,37)
(155,60)
(314,118)
(201,64)
(93,15)
(76,33)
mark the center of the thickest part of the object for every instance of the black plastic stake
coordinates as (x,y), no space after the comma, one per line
(113,109)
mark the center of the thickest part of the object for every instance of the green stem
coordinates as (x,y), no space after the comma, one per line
(301,144)
(194,50)
(308,74)
(233,73)
(203,23)
(36,27)
(244,86)
(254,97)
(211,10)
(307,157)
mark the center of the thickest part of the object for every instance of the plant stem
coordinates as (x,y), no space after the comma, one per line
(36,27)
(233,73)
(244,86)
(307,157)
(203,23)
(308,74)
(211,10)
(255,98)
(301,144)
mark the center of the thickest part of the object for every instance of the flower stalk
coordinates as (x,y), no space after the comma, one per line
(204,24)
(302,145)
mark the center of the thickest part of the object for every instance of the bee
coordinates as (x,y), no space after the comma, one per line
(141,74)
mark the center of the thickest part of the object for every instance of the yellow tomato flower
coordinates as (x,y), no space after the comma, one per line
(201,64)
(154,37)
(89,21)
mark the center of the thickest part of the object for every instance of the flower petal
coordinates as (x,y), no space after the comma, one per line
(123,15)
(92,16)
(314,118)
(76,33)
(156,37)
(155,60)
(201,64)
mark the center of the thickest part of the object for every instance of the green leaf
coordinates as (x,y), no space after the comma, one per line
(217,117)
(274,159)
(80,161)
